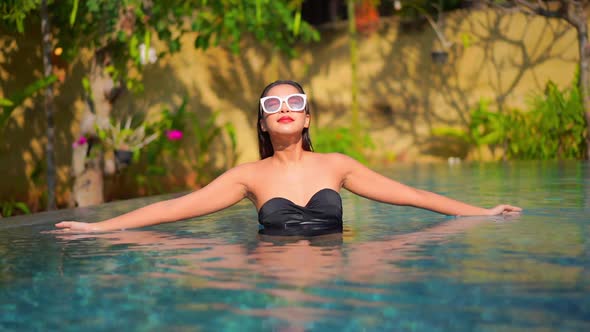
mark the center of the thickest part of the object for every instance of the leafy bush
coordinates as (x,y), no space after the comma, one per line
(485,128)
(125,137)
(341,139)
(554,127)
(8,209)
(206,134)
(8,105)
(152,178)
(176,126)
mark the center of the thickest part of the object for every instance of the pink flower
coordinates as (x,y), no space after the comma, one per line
(81,141)
(174,135)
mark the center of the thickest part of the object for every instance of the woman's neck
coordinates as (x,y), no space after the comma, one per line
(288,152)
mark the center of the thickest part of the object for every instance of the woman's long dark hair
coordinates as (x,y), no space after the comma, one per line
(264,144)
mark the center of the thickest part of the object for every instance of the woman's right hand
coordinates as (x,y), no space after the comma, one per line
(74,226)
(505,210)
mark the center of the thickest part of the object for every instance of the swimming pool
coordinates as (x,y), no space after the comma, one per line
(393,268)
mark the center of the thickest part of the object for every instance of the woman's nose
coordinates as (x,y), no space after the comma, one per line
(284,107)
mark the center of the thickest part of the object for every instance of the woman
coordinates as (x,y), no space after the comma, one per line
(291,186)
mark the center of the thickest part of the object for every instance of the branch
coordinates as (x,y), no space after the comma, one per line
(540,10)
(574,16)
(439,33)
(445,43)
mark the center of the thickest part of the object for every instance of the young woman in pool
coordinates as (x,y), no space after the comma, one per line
(291,186)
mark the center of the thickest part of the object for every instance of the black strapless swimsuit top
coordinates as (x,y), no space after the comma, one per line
(322,214)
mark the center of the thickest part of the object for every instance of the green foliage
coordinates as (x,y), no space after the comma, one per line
(162,147)
(170,120)
(118,137)
(5,102)
(466,40)
(115,30)
(230,129)
(74,13)
(554,127)
(206,134)
(14,12)
(36,175)
(485,128)
(9,208)
(341,139)
(119,27)
(10,104)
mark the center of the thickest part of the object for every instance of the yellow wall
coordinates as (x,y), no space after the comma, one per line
(403,95)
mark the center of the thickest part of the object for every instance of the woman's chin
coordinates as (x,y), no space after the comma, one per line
(287,130)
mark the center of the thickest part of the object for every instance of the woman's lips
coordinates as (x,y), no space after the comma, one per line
(285,119)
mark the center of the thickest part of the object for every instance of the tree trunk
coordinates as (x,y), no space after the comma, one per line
(584,84)
(91,163)
(48,105)
(333,10)
(353,47)
(89,167)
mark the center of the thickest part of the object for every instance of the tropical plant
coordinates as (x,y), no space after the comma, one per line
(485,128)
(10,207)
(207,133)
(340,139)
(574,13)
(173,124)
(554,127)
(232,157)
(5,102)
(118,137)
(9,104)
(119,34)
(176,125)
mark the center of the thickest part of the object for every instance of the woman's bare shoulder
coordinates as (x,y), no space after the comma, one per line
(333,157)
(249,169)
(246,167)
(335,162)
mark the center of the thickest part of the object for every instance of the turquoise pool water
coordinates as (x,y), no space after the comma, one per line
(393,268)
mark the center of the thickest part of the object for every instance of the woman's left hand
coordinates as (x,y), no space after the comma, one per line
(505,210)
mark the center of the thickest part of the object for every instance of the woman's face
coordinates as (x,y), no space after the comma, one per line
(285,120)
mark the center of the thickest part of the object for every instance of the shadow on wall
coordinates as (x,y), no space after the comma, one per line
(22,143)
(503,58)
(165,86)
(162,89)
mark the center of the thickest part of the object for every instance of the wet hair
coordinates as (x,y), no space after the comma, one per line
(264,144)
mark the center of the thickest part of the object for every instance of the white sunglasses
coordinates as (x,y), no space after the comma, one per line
(272,104)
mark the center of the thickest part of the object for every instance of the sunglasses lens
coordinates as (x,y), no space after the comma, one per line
(296,102)
(271,105)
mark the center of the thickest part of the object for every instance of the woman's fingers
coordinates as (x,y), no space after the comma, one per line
(67,224)
(74,226)
(512,209)
(506,209)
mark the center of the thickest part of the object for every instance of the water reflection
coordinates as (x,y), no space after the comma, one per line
(284,269)
(392,268)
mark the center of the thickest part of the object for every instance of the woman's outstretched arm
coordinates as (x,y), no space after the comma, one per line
(221,193)
(364,182)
